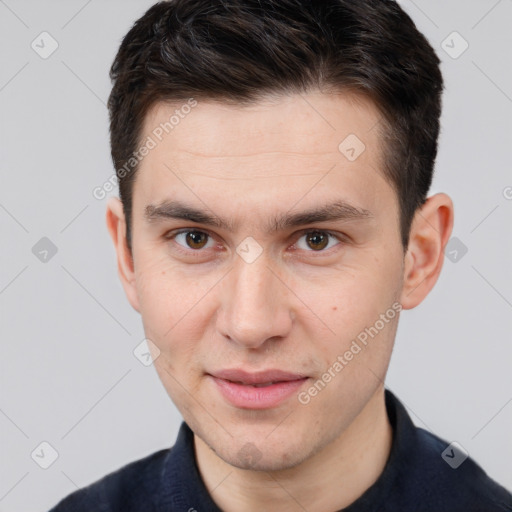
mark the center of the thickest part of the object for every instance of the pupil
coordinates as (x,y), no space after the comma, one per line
(196,239)
(318,239)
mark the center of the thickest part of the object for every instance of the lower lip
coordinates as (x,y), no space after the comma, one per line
(249,397)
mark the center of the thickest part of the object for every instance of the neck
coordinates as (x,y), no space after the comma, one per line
(330,480)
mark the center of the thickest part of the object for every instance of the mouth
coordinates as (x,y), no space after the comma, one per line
(263,385)
(257,390)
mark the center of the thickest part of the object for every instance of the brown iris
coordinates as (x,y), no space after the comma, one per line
(196,239)
(317,240)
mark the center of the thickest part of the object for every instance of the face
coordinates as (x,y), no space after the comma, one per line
(261,253)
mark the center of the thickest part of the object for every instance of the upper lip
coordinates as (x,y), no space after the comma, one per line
(261,377)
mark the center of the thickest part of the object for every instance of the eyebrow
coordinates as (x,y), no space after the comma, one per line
(336,211)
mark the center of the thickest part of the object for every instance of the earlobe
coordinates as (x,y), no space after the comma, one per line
(116,224)
(430,231)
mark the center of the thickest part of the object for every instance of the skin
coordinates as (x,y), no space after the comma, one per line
(297,307)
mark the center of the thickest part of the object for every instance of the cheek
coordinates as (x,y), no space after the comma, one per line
(175,304)
(353,301)
(158,294)
(162,291)
(358,294)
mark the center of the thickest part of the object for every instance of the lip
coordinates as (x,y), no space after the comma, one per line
(238,387)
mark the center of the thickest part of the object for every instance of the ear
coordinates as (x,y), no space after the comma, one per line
(116,224)
(430,231)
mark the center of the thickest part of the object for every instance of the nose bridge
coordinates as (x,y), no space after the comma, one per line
(253,283)
(254,308)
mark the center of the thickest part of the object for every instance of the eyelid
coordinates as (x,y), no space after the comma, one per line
(174,232)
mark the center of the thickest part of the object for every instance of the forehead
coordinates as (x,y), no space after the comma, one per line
(301,123)
(275,151)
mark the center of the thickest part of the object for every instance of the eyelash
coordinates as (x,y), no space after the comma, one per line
(172,235)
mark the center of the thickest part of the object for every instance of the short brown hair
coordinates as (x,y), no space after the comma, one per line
(238,51)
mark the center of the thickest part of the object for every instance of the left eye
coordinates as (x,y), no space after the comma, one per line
(317,241)
(194,239)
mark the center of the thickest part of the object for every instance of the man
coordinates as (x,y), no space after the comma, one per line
(274,159)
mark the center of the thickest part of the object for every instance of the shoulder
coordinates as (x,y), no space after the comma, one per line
(444,474)
(129,488)
(426,473)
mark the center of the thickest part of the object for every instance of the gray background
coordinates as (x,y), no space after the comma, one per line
(68,373)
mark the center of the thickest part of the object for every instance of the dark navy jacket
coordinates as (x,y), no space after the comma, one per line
(420,475)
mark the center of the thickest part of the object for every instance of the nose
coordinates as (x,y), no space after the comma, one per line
(256,305)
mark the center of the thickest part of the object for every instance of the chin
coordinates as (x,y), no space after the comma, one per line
(250,457)
(260,447)
(261,454)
